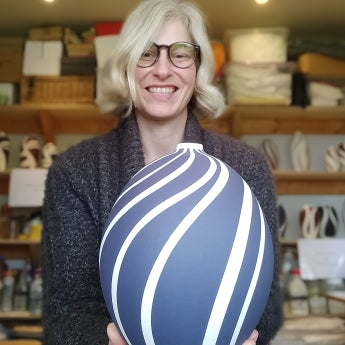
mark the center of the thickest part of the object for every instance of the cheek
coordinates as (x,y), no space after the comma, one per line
(190,81)
(138,75)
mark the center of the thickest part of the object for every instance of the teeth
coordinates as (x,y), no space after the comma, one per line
(161,89)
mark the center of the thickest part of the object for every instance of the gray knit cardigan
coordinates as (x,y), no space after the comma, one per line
(82,186)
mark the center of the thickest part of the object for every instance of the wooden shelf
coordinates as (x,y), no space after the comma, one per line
(237,120)
(288,243)
(287,120)
(19,315)
(52,119)
(287,182)
(21,249)
(309,182)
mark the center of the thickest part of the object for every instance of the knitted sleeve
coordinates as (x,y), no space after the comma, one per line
(73,307)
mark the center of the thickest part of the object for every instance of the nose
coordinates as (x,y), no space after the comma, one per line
(163,65)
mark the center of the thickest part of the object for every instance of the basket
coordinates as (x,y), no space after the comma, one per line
(80,49)
(61,89)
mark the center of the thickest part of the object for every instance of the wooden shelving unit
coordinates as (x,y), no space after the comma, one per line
(50,120)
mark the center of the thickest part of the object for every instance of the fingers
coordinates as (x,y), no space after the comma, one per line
(114,335)
(252,339)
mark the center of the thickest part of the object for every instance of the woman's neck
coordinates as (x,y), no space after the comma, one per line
(160,137)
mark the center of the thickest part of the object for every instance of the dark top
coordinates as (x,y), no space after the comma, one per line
(81,188)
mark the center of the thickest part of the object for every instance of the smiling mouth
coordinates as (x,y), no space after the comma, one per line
(162,90)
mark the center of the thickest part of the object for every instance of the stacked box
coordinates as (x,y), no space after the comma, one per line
(80,49)
(49,33)
(11,59)
(42,58)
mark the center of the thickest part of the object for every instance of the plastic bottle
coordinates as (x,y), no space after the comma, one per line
(35,296)
(7,291)
(298,294)
(21,292)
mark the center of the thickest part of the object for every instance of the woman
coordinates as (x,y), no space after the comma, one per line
(159,82)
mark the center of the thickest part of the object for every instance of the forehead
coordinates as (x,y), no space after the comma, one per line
(172,31)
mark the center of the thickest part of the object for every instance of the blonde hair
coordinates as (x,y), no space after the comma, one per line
(116,79)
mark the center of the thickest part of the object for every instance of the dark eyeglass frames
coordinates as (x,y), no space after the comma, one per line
(181,54)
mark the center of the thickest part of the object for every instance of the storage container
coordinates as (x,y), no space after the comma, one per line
(42,58)
(80,49)
(78,65)
(62,89)
(11,59)
(257,44)
(49,33)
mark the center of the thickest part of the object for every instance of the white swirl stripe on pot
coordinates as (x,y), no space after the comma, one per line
(186,256)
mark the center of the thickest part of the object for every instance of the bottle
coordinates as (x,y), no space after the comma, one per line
(35,295)
(288,263)
(316,298)
(335,307)
(21,292)
(298,294)
(7,291)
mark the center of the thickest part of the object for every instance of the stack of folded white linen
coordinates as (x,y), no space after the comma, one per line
(252,83)
(323,94)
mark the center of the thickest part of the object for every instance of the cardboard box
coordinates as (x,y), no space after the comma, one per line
(42,58)
(80,49)
(49,33)
(11,59)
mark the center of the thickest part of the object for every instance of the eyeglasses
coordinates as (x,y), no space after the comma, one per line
(181,54)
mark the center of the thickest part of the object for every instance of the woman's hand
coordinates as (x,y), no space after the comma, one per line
(252,339)
(115,337)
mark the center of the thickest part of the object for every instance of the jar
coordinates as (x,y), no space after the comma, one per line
(316,298)
(298,294)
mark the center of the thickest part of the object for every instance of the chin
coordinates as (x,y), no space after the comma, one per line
(162,115)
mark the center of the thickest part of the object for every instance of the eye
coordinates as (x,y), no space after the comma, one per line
(182,54)
(148,55)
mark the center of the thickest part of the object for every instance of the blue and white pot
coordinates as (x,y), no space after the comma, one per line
(186,256)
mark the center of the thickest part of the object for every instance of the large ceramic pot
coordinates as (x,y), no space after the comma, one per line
(186,256)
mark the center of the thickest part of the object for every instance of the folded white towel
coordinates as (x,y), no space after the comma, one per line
(322,90)
(258,92)
(251,71)
(323,102)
